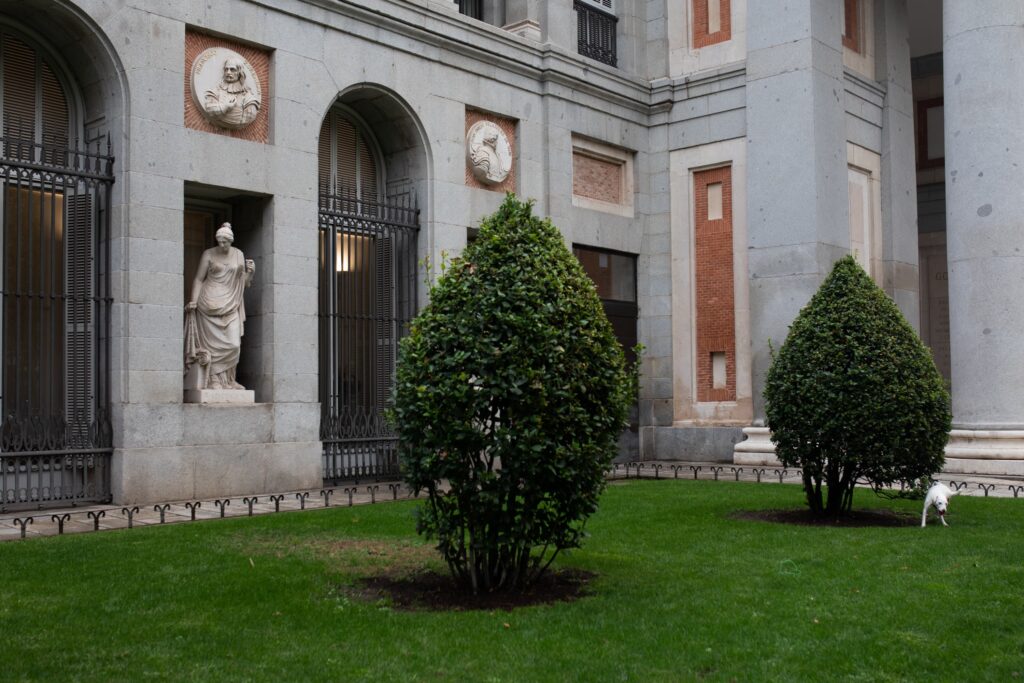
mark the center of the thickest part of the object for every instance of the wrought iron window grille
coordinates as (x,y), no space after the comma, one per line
(367,299)
(55,430)
(595,32)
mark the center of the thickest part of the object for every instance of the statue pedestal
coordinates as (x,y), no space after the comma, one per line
(196,378)
(230,396)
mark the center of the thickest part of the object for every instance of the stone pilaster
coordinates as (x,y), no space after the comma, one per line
(558,24)
(899,276)
(797,186)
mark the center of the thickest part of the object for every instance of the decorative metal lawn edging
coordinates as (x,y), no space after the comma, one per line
(162,509)
(58,523)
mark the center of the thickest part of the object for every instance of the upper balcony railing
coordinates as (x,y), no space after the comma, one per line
(595,31)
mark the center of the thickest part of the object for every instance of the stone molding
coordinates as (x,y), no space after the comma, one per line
(683,164)
(602,152)
(484,46)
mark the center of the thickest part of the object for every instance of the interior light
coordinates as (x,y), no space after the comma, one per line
(342,253)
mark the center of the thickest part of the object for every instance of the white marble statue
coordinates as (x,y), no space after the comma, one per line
(216,312)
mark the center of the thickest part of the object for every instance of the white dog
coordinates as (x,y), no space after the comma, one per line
(938,496)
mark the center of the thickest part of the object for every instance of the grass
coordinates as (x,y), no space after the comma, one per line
(684,592)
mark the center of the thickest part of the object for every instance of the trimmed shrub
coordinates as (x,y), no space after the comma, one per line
(512,389)
(854,394)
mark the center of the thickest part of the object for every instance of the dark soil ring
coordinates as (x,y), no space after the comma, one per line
(431,591)
(856,518)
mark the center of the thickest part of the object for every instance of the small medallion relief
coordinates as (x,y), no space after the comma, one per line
(488,153)
(225,88)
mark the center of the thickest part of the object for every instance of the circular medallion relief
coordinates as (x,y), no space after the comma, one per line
(225,88)
(488,153)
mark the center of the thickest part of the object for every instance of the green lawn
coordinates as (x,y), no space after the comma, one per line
(684,592)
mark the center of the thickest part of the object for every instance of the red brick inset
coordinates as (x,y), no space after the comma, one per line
(258,130)
(702,35)
(851,37)
(713,286)
(595,178)
(508,126)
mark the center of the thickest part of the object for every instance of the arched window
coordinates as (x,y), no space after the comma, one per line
(55,303)
(367,297)
(348,161)
(36,114)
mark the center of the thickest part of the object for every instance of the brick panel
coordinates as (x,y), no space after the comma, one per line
(508,126)
(702,37)
(258,130)
(596,178)
(714,286)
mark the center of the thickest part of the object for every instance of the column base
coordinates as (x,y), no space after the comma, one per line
(756,450)
(969,451)
(985,451)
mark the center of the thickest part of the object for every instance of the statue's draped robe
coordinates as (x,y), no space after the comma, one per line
(221,312)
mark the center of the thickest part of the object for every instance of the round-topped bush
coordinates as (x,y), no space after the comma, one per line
(511,390)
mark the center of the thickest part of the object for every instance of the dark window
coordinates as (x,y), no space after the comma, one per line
(595,31)
(614,275)
(347,164)
(472,8)
(931,151)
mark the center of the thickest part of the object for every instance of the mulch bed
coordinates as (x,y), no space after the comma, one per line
(431,591)
(856,518)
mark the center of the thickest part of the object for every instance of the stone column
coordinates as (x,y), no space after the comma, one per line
(797,179)
(984,131)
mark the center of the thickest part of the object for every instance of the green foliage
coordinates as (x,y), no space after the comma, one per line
(512,388)
(854,394)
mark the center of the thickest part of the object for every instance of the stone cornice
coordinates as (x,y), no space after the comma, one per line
(700,84)
(862,87)
(486,47)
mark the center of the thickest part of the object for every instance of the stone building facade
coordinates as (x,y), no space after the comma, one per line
(707,160)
